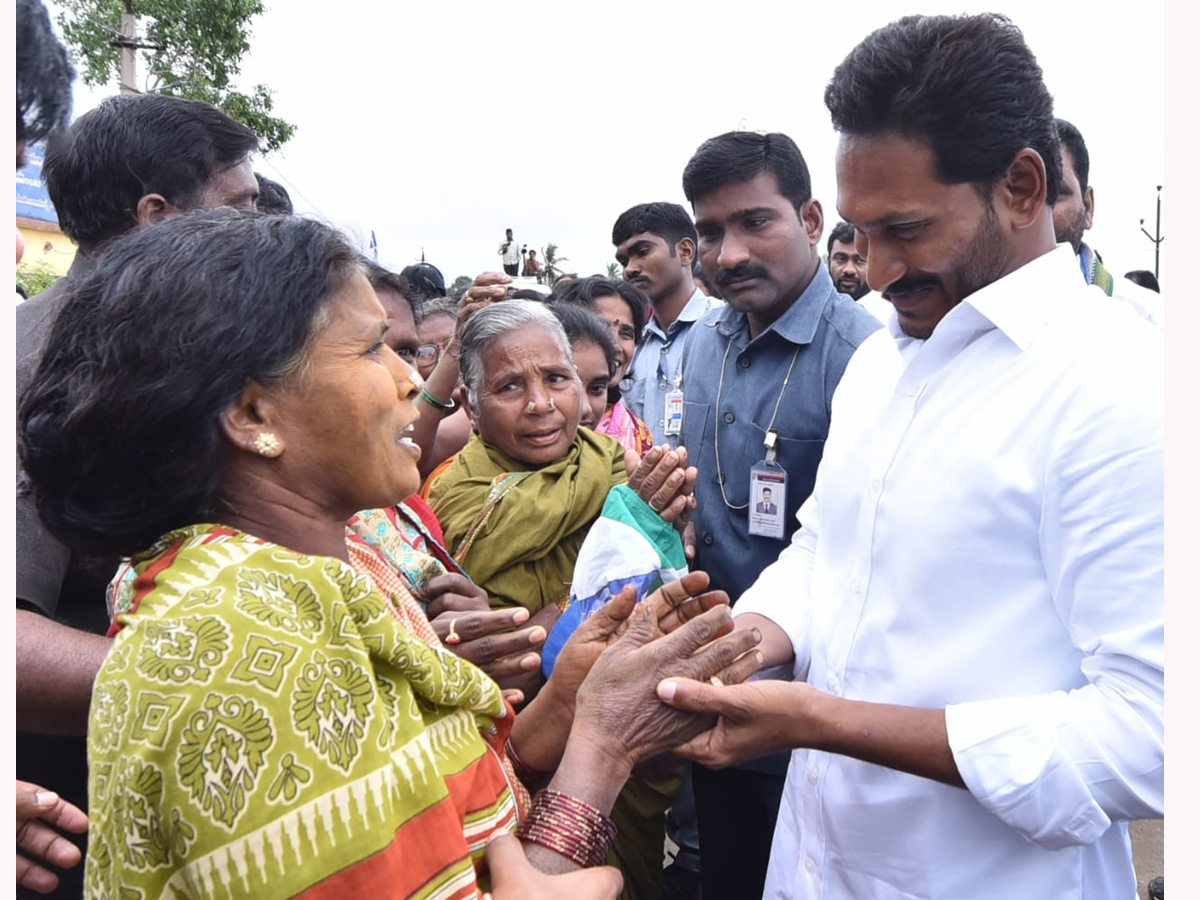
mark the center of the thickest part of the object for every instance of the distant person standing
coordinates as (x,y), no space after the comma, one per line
(510,254)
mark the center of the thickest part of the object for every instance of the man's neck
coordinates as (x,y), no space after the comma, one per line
(667,310)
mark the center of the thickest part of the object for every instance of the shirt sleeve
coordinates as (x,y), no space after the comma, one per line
(1060,768)
(781,592)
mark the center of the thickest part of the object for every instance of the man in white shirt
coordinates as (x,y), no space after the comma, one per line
(510,254)
(972,611)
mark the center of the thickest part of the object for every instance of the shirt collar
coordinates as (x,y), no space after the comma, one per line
(798,324)
(1025,299)
(692,311)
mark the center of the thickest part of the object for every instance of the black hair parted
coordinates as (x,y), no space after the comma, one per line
(1072,140)
(968,86)
(742,156)
(44,75)
(669,221)
(119,430)
(585,327)
(132,145)
(586,291)
(842,233)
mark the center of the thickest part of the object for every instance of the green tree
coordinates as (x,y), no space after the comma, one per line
(35,277)
(202,44)
(612,270)
(462,281)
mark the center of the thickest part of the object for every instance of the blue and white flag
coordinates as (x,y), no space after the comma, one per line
(374,247)
(628,544)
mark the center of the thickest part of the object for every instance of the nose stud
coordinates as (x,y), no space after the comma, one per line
(532,404)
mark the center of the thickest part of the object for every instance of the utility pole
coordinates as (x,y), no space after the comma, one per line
(129,43)
(1157,236)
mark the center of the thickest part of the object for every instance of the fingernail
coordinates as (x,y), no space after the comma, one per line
(536,635)
(666,691)
(45,798)
(531,662)
(758,657)
(520,616)
(757,635)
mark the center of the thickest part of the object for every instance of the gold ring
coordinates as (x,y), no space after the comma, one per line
(452,637)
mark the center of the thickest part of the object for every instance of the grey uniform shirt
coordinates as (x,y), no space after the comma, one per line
(657,366)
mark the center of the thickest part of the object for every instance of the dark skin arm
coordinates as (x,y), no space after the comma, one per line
(56,666)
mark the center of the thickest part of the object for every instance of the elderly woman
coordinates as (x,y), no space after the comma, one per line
(275,716)
(517,503)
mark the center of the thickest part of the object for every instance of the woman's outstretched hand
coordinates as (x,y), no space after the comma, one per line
(515,878)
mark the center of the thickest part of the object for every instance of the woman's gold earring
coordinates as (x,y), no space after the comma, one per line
(266,444)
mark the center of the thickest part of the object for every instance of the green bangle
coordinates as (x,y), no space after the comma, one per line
(436,403)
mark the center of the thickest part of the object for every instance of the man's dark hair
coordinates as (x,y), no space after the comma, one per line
(426,281)
(584,326)
(968,86)
(132,145)
(843,233)
(1145,278)
(1072,140)
(743,156)
(44,75)
(120,427)
(273,198)
(586,291)
(382,279)
(669,221)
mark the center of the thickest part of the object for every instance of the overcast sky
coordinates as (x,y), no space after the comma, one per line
(438,125)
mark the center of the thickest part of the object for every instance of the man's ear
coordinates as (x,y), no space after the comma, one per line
(1089,207)
(154,208)
(251,423)
(686,251)
(1022,190)
(812,217)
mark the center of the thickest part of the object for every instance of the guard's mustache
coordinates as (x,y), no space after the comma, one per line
(747,270)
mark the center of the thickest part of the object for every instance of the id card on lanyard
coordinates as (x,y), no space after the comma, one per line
(768,493)
(673,418)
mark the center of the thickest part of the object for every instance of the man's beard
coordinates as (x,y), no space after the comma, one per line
(856,288)
(1074,234)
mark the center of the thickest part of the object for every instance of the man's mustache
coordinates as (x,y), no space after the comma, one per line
(907,285)
(746,270)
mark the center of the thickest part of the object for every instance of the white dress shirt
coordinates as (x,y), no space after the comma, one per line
(985,536)
(876,306)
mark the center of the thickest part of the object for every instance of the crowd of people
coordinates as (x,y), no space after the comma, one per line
(832,554)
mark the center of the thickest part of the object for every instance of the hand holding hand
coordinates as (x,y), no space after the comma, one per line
(616,705)
(665,481)
(487,638)
(514,878)
(755,718)
(35,807)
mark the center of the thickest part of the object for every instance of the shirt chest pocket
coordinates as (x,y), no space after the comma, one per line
(798,456)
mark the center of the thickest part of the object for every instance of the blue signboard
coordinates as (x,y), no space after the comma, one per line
(32,200)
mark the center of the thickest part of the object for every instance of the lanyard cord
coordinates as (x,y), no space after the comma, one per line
(717,420)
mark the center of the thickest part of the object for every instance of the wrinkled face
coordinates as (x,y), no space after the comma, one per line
(848,269)
(529,398)
(756,248)
(346,414)
(616,312)
(1073,208)
(402,329)
(236,187)
(648,261)
(592,366)
(928,244)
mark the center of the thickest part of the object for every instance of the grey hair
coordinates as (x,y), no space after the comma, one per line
(495,321)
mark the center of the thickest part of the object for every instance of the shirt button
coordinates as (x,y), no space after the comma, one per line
(744,362)
(729,417)
(708,539)
(912,392)
(663,350)
(810,865)
(832,683)
(812,776)
(876,485)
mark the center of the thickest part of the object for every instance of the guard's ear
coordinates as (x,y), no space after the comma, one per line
(812,217)
(250,423)
(154,208)
(686,251)
(1022,190)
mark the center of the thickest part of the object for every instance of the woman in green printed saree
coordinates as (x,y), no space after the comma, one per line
(275,717)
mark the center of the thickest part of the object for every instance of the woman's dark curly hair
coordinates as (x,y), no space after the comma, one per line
(119,430)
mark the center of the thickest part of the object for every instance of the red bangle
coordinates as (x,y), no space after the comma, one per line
(569,827)
(530,777)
